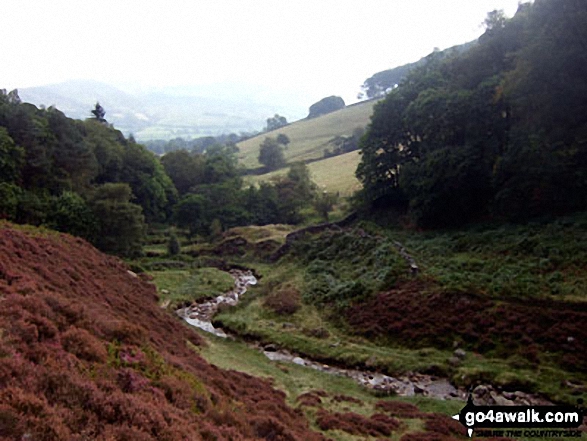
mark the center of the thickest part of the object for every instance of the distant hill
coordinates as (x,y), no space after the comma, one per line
(310,137)
(166,113)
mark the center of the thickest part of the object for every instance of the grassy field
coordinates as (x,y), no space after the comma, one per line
(335,174)
(309,138)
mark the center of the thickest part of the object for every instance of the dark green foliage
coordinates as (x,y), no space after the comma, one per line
(347,267)
(283,139)
(70,213)
(185,170)
(51,165)
(9,198)
(326,105)
(151,187)
(11,158)
(324,204)
(345,144)
(384,82)
(500,128)
(263,204)
(276,122)
(121,228)
(173,247)
(221,165)
(450,186)
(271,154)
(294,192)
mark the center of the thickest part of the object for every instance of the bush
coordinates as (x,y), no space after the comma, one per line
(286,301)
(173,248)
(83,345)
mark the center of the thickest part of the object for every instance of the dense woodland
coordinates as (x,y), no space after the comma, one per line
(87,179)
(498,130)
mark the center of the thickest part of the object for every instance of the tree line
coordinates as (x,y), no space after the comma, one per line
(86,178)
(499,130)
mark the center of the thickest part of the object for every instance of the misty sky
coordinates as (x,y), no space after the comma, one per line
(311,48)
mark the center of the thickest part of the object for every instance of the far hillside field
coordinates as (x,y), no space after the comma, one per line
(309,138)
(335,174)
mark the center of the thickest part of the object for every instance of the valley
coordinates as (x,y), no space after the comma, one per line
(499,348)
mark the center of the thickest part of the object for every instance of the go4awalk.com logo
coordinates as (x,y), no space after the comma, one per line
(518,421)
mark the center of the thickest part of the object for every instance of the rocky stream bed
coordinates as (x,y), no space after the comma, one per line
(409,384)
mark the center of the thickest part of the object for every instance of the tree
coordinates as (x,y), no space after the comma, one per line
(324,204)
(190,212)
(121,228)
(185,170)
(99,113)
(294,192)
(70,213)
(221,165)
(326,105)
(173,247)
(152,188)
(495,20)
(271,154)
(275,122)
(283,139)
(11,158)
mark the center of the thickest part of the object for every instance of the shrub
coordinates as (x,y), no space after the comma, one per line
(286,301)
(83,345)
(356,424)
(173,248)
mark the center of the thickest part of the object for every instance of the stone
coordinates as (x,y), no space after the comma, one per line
(480,391)
(500,400)
(460,354)
(454,361)
(298,360)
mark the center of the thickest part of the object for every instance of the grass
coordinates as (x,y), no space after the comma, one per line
(455,260)
(334,175)
(296,380)
(177,286)
(504,262)
(539,260)
(309,138)
(256,234)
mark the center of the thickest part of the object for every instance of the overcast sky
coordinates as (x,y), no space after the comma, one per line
(313,48)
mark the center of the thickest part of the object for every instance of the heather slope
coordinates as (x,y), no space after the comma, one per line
(86,353)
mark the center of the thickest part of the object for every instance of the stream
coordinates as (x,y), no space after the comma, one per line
(410,384)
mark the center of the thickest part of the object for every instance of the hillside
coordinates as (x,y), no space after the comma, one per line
(335,174)
(86,353)
(153,113)
(309,137)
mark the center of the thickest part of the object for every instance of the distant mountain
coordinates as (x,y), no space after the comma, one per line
(165,113)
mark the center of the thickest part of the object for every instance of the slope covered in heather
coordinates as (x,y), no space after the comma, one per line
(86,353)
